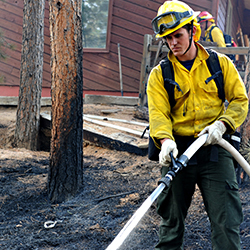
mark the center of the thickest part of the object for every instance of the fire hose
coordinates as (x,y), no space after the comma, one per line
(177,165)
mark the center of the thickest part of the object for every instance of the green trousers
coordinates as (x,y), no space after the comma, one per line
(219,189)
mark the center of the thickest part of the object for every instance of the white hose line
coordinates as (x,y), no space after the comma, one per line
(236,155)
(134,220)
(223,143)
(195,146)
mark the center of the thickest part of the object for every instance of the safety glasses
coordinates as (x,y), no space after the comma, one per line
(169,20)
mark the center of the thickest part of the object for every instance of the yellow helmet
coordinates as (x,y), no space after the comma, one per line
(173,15)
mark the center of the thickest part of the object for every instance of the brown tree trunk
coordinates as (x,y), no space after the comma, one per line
(66,163)
(28,109)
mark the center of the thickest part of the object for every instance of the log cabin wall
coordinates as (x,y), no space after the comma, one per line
(11,25)
(130,21)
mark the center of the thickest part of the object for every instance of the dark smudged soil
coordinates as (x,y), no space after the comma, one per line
(115,185)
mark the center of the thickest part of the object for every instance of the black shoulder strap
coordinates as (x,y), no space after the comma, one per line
(210,33)
(168,77)
(213,65)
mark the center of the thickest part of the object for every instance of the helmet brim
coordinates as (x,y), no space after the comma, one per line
(183,23)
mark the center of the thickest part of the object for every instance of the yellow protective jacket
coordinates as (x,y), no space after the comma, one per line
(199,105)
(217,36)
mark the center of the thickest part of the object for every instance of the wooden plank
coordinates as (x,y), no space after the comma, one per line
(133,17)
(12,62)
(128,130)
(107,63)
(13,36)
(146,4)
(111,143)
(13,53)
(111,72)
(199,5)
(15,9)
(154,5)
(10,67)
(130,26)
(46,83)
(91,85)
(88,87)
(110,77)
(118,141)
(127,34)
(111,100)
(13,101)
(9,25)
(16,3)
(105,118)
(132,61)
(11,17)
(129,61)
(133,8)
(9,80)
(131,56)
(131,46)
(6,67)
(17,45)
(99,82)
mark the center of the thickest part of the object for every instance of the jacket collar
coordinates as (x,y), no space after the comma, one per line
(202,54)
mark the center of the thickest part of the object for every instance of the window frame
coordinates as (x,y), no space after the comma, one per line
(108,36)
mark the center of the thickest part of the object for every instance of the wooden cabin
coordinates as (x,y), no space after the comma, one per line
(127,21)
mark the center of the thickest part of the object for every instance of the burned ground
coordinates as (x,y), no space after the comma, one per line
(115,185)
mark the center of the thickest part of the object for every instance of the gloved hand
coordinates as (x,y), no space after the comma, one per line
(167,147)
(215,132)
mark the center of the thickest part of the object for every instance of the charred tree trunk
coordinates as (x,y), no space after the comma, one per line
(66,162)
(28,109)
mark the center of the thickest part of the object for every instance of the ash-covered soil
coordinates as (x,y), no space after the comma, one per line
(115,185)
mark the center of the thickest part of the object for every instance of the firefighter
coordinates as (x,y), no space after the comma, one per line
(198,110)
(209,31)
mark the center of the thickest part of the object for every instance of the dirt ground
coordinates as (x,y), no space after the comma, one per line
(115,185)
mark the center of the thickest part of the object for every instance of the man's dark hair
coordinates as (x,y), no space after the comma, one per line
(187,26)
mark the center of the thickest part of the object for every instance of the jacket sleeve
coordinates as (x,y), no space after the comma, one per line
(218,37)
(159,107)
(235,93)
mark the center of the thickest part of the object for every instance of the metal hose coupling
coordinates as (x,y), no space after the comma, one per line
(176,166)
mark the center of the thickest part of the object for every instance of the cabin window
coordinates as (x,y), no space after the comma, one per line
(96,22)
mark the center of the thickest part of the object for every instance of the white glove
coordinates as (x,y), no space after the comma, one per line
(215,132)
(167,147)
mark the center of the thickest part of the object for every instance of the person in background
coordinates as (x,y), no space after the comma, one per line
(209,31)
(197,110)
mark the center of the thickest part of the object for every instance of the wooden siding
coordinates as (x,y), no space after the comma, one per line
(221,18)
(131,20)
(11,16)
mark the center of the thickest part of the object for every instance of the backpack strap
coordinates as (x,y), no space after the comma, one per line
(168,77)
(210,33)
(213,65)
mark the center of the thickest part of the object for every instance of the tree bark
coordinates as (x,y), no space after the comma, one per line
(28,109)
(66,162)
